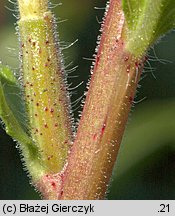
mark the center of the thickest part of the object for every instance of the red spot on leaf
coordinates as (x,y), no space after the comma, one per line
(128,68)
(103,127)
(50,157)
(51,110)
(46,109)
(45,125)
(95,136)
(126,58)
(136,64)
(53,184)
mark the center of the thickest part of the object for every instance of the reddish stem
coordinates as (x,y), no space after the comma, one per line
(112,88)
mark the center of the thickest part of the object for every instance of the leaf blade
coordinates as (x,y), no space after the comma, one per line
(13,124)
(146,22)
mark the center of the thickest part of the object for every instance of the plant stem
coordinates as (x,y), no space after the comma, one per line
(111,92)
(85,172)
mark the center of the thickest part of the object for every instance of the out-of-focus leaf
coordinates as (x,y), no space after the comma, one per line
(12,110)
(12,113)
(147,150)
(146,134)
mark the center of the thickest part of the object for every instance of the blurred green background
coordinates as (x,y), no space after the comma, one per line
(146,163)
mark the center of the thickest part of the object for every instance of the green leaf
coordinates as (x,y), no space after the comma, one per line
(149,139)
(154,121)
(12,113)
(11,93)
(146,21)
(11,106)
